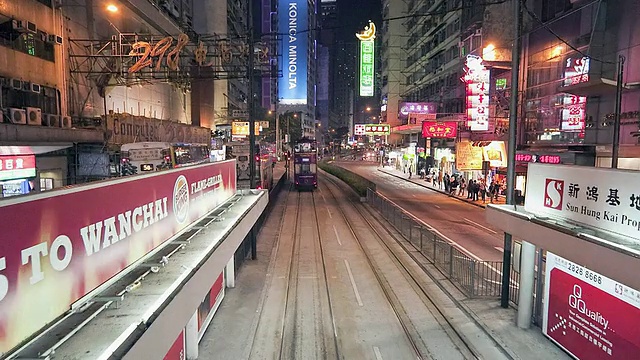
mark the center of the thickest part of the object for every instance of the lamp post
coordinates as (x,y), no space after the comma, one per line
(616,123)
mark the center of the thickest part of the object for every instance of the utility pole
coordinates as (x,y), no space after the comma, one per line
(511,153)
(616,123)
(252,120)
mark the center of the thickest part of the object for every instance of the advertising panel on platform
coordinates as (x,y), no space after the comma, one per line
(208,306)
(590,315)
(60,245)
(605,199)
(293,21)
(178,349)
(433,129)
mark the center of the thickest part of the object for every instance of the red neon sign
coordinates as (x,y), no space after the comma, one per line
(432,129)
(544,159)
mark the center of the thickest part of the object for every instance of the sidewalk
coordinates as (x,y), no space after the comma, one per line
(422,182)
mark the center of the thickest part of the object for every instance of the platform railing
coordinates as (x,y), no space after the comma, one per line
(474,277)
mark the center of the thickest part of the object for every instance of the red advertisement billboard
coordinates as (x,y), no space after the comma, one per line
(433,129)
(58,246)
(177,350)
(589,315)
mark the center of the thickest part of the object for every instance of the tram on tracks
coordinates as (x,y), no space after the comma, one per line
(305,164)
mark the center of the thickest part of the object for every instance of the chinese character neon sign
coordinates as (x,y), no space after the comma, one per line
(544,159)
(377,129)
(576,71)
(574,112)
(367,59)
(477,78)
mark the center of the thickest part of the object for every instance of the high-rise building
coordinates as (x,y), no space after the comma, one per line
(392,42)
(297,86)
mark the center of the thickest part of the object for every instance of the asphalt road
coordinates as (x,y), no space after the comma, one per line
(462,223)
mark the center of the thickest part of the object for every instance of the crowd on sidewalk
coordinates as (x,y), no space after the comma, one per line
(457,185)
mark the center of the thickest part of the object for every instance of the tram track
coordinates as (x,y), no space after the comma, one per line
(417,342)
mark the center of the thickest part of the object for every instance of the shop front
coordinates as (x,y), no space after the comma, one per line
(472,156)
(17,174)
(445,160)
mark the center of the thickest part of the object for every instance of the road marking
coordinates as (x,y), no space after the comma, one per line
(323,198)
(329,211)
(499,249)
(376,351)
(414,196)
(431,228)
(337,236)
(476,224)
(353,283)
(437,206)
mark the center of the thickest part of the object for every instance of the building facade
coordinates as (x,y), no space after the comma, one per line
(392,60)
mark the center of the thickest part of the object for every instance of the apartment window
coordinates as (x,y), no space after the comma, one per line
(551,8)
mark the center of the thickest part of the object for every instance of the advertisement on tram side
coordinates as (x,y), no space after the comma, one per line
(590,315)
(210,304)
(60,245)
(177,350)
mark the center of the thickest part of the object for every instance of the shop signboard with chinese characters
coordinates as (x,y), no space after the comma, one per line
(418,108)
(367,59)
(293,20)
(377,129)
(358,129)
(433,129)
(574,112)
(576,71)
(241,128)
(477,78)
(604,199)
(17,166)
(535,158)
(588,314)
(417,119)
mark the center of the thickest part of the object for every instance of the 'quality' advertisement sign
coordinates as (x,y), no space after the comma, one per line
(589,315)
(57,247)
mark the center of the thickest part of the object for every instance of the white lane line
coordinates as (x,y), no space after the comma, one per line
(337,236)
(499,249)
(353,283)
(437,206)
(478,225)
(414,196)
(329,211)
(431,228)
(323,198)
(376,351)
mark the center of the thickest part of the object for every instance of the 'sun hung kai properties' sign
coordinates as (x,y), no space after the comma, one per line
(605,199)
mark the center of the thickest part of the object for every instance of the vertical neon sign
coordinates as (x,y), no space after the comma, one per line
(293,21)
(477,78)
(367,59)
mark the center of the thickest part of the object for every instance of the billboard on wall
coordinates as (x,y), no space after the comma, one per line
(601,198)
(589,315)
(377,129)
(468,157)
(60,245)
(126,128)
(477,77)
(293,21)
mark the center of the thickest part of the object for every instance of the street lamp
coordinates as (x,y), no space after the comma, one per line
(112,8)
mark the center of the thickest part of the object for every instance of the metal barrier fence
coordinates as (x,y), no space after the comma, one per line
(475,278)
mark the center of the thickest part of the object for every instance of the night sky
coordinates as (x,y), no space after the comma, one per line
(355,14)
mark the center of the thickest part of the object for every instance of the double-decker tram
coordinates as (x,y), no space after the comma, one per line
(305,161)
(142,157)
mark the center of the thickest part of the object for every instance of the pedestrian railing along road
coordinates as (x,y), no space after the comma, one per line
(474,277)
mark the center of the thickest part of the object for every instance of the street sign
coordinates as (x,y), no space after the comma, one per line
(264,124)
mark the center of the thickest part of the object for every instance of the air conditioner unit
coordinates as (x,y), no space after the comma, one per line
(52,120)
(65,122)
(35,88)
(55,39)
(26,86)
(34,116)
(478,32)
(44,37)
(16,84)
(17,116)
(31,27)
(18,25)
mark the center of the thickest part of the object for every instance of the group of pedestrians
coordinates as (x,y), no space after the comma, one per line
(456,185)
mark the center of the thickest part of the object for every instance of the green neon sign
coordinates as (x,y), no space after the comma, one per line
(367,67)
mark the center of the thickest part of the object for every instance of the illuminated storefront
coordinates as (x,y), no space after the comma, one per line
(17,173)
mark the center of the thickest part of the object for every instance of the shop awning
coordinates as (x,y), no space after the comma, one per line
(407,129)
(33,150)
